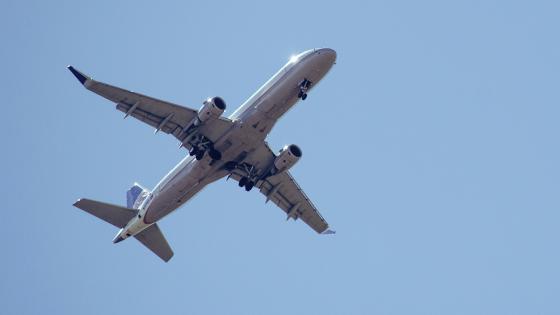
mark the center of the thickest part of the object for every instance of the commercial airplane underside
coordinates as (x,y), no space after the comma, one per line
(218,147)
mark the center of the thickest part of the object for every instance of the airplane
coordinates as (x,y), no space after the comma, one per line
(218,147)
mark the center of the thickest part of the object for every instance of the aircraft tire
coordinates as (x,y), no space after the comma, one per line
(243,181)
(193,151)
(249,186)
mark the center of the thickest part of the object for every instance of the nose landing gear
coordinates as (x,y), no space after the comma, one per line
(303,87)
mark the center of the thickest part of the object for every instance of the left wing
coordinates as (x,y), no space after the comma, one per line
(163,116)
(283,190)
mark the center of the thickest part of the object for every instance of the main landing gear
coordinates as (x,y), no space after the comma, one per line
(303,87)
(244,181)
(251,177)
(199,153)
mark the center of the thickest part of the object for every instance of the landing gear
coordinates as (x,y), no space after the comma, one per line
(249,174)
(249,186)
(243,181)
(193,151)
(247,183)
(215,154)
(199,145)
(303,87)
(199,153)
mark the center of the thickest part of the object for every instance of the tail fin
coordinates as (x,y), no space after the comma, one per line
(156,242)
(116,215)
(136,195)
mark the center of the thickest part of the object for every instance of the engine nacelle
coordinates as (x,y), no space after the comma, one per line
(289,155)
(213,108)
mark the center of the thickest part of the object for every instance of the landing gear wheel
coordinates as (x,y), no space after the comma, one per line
(215,154)
(249,186)
(243,181)
(199,155)
(193,151)
(303,87)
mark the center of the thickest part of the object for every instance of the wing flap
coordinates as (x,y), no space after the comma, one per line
(150,118)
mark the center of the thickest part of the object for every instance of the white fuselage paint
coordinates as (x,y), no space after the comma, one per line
(264,108)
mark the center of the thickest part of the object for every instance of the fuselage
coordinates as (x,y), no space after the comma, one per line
(252,122)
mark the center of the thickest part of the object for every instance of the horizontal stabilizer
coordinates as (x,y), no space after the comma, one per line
(116,215)
(156,242)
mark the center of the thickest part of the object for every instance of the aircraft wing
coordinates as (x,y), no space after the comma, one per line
(164,116)
(283,190)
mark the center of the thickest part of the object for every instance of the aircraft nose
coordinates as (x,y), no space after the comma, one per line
(327,55)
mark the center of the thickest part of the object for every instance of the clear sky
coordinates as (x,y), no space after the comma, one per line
(431,147)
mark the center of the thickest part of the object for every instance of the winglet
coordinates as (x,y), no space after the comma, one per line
(80,76)
(329,231)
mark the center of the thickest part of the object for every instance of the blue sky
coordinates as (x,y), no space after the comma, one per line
(431,147)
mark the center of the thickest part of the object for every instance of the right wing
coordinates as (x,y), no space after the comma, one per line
(283,190)
(165,116)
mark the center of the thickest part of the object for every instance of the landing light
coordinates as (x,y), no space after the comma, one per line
(293,58)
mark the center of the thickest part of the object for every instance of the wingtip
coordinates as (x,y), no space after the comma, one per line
(329,231)
(168,258)
(77,202)
(80,76)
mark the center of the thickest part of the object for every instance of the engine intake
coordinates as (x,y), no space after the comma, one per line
(288,157)
(213,108)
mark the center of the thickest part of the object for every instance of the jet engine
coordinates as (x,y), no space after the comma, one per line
(288,156)
(213,108)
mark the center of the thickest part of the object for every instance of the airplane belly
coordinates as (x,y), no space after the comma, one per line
(182,187)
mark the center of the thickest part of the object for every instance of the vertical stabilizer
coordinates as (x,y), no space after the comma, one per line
(136,195)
